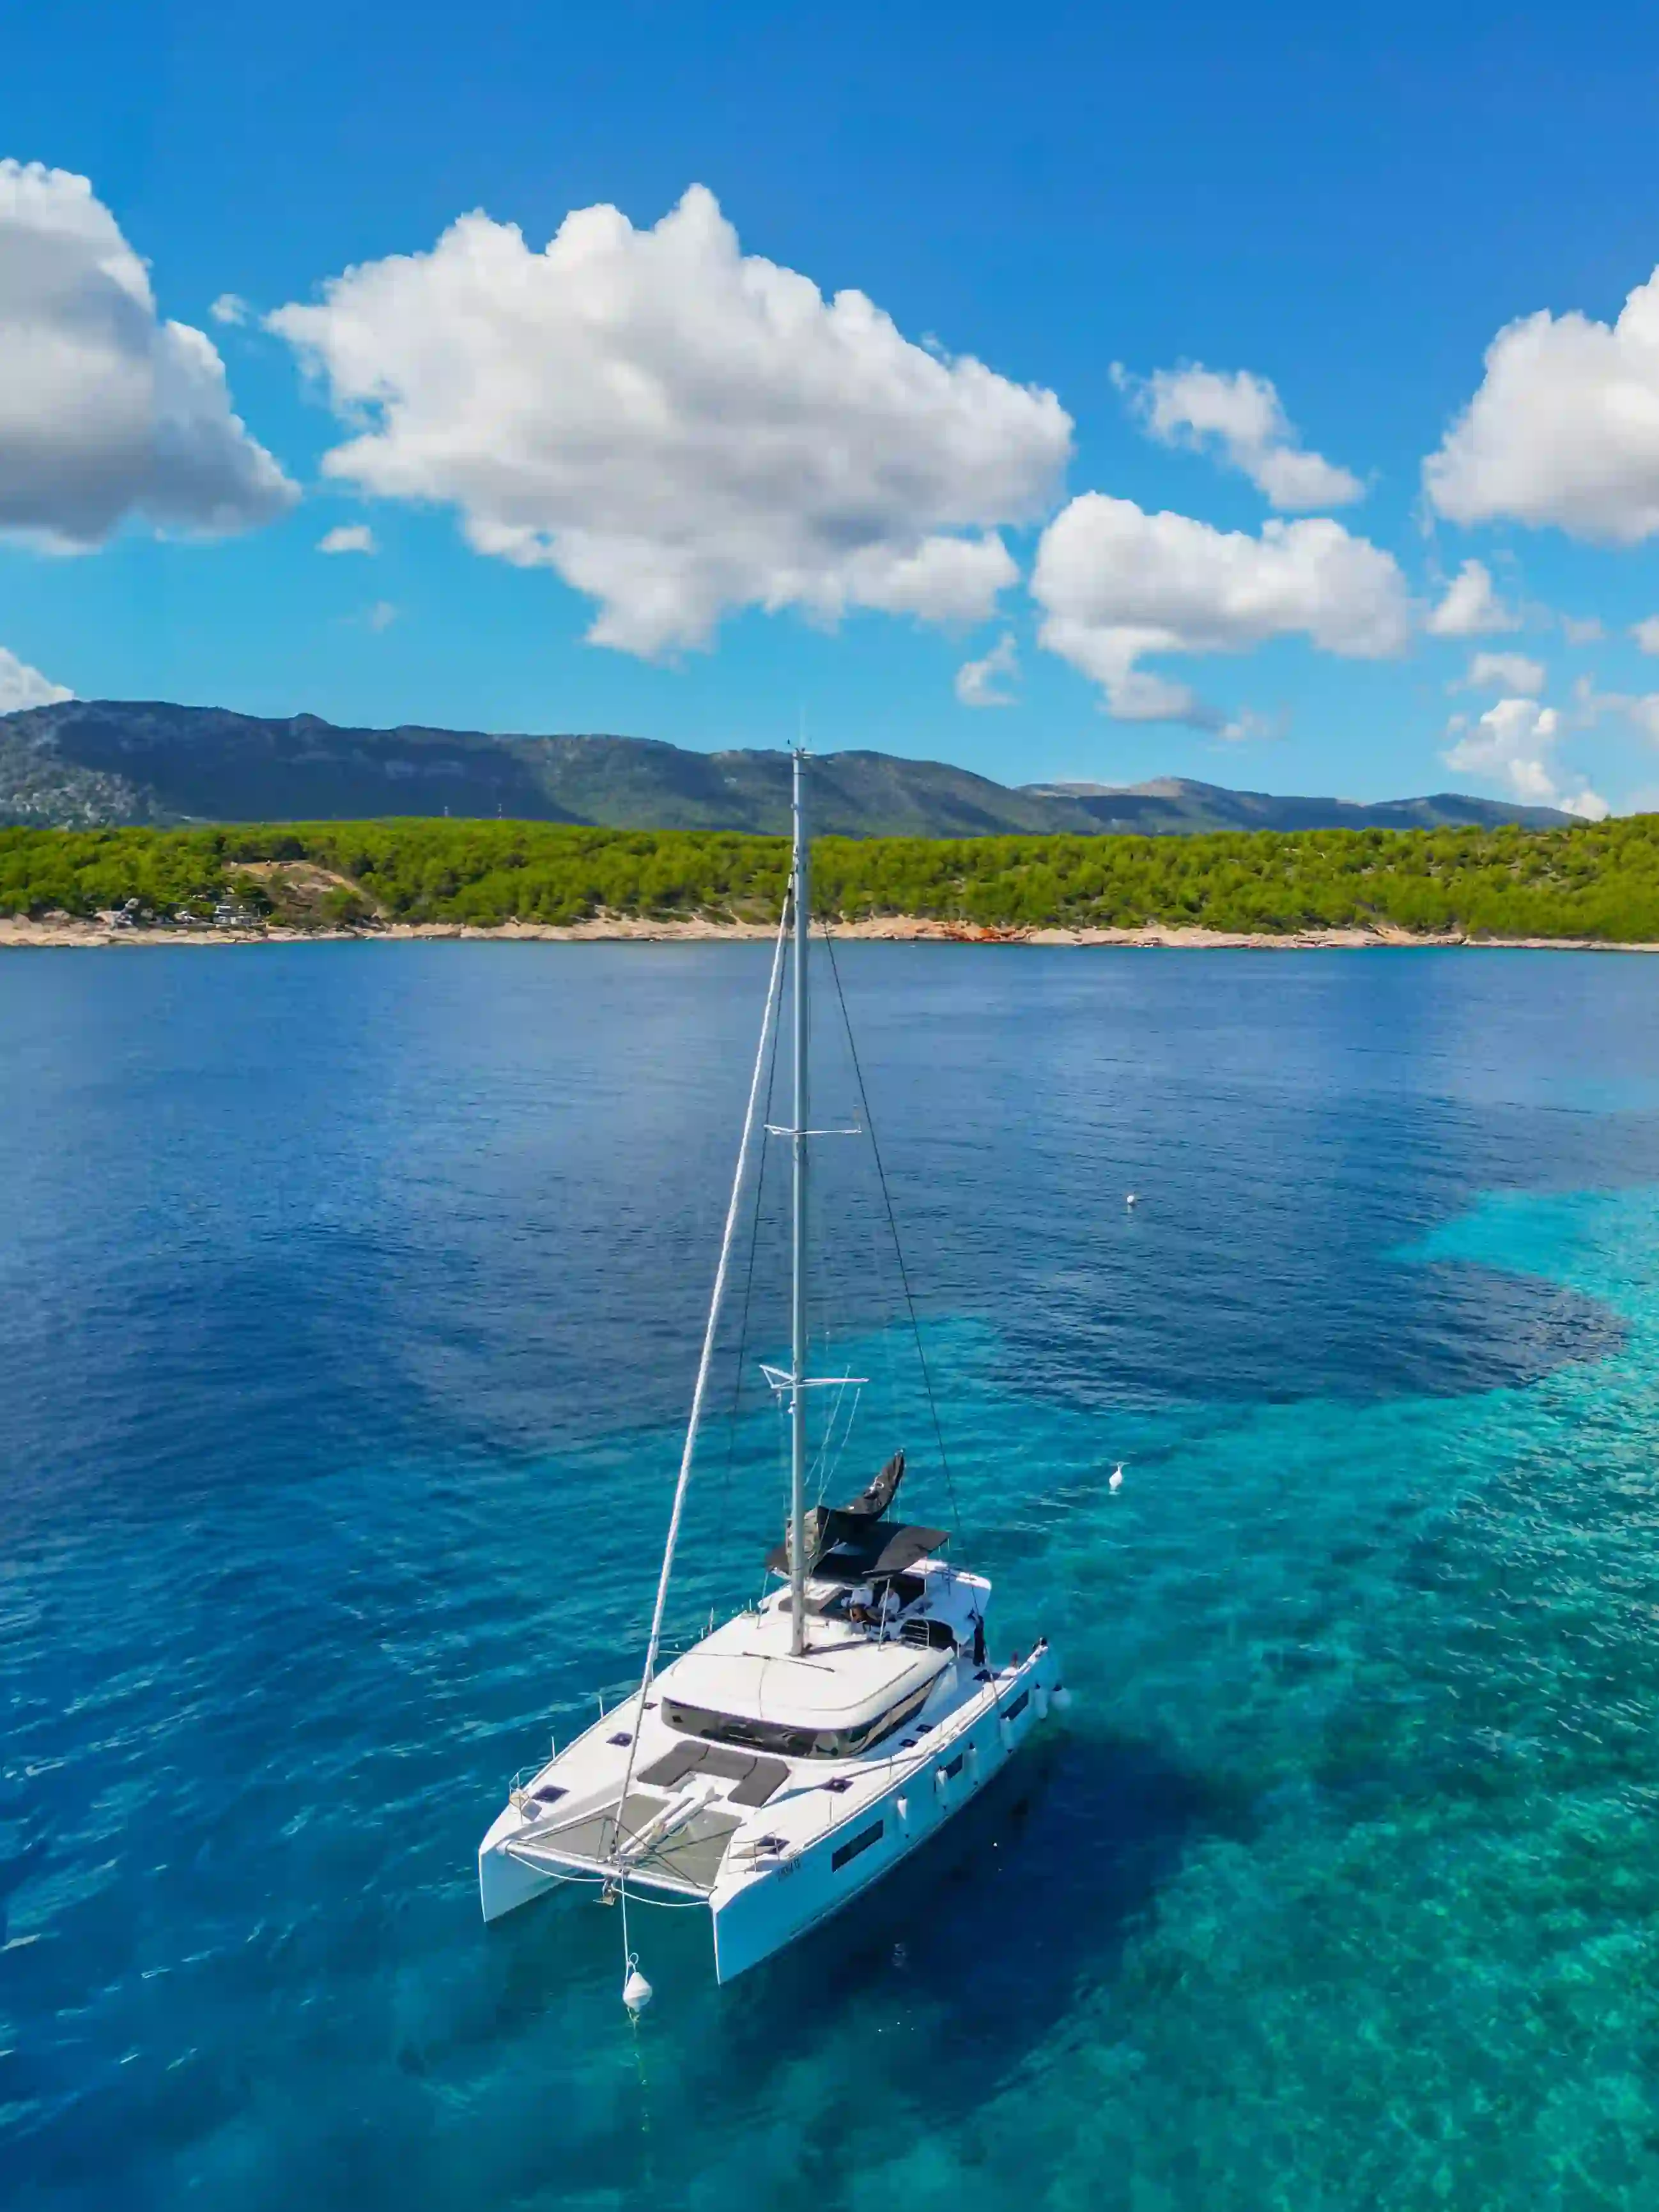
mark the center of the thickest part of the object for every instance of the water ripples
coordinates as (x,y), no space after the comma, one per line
(349,1306)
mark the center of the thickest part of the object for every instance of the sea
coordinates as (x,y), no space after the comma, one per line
(350,1304)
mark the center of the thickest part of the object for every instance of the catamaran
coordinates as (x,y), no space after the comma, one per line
(781,1765)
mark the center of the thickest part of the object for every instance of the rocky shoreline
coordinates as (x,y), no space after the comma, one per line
(19,932)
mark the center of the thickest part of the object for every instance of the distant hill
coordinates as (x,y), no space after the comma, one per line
(94,763)
(1172,804)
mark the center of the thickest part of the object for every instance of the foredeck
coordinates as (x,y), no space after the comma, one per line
(688,1860)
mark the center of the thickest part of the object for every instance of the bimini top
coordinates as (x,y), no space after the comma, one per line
(877,1547)
(850,1543)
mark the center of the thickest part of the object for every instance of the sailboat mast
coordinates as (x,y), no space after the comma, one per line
(803,907)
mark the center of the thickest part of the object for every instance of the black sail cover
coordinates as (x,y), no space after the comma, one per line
(852,1541)
(882,1491)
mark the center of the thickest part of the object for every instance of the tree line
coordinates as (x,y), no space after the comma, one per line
(1594,880)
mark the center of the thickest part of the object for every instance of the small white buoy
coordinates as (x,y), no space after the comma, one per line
(1129,1198)
(636,1991)
(1114,1480)
(1061,1699)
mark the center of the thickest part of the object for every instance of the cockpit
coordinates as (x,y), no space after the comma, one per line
(886,1621)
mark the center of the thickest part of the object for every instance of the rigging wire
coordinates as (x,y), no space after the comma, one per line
(830,1452)
(748,1282)
(700,1389)
(881,1274)
(892,1223)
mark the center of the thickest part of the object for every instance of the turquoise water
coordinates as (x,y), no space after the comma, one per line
(348,1298)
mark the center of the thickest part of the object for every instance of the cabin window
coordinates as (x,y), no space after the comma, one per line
(861,1842)
(735,1729)
(858,1739)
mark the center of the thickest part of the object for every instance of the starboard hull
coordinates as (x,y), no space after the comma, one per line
(755,1920)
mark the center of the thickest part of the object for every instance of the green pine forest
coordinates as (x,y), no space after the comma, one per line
(1597,880)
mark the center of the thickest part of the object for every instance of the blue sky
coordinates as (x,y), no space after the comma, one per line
(1350,210)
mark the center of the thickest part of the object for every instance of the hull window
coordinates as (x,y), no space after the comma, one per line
(861,1842)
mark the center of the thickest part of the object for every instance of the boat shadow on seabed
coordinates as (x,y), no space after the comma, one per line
(987,1936)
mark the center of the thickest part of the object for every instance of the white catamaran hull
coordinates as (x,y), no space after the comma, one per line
(756,1918)
(771,1873)
(505,1882)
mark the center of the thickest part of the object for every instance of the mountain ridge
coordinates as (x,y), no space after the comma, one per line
(1122,808)
(109,763)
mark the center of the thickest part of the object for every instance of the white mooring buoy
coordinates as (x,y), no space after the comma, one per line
(1129,1198)
(1115,1480)
(636,1991)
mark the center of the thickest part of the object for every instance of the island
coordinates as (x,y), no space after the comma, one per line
(1593,885)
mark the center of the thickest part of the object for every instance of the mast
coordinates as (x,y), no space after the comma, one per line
(711,1330)
(803,909)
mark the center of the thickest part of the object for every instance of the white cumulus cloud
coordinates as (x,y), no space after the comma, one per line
(1514,672)
(1564,428)
(676,427)
(229,307)
(106,411)
(1512,745)
(1583,629)
(1646,633)
(349,538)
(981,683)
(1591,706)
(1117,585)
(1471,607)
(22,686)
(1241,417)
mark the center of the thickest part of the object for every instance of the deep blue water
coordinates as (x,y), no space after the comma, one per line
(349,1300)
